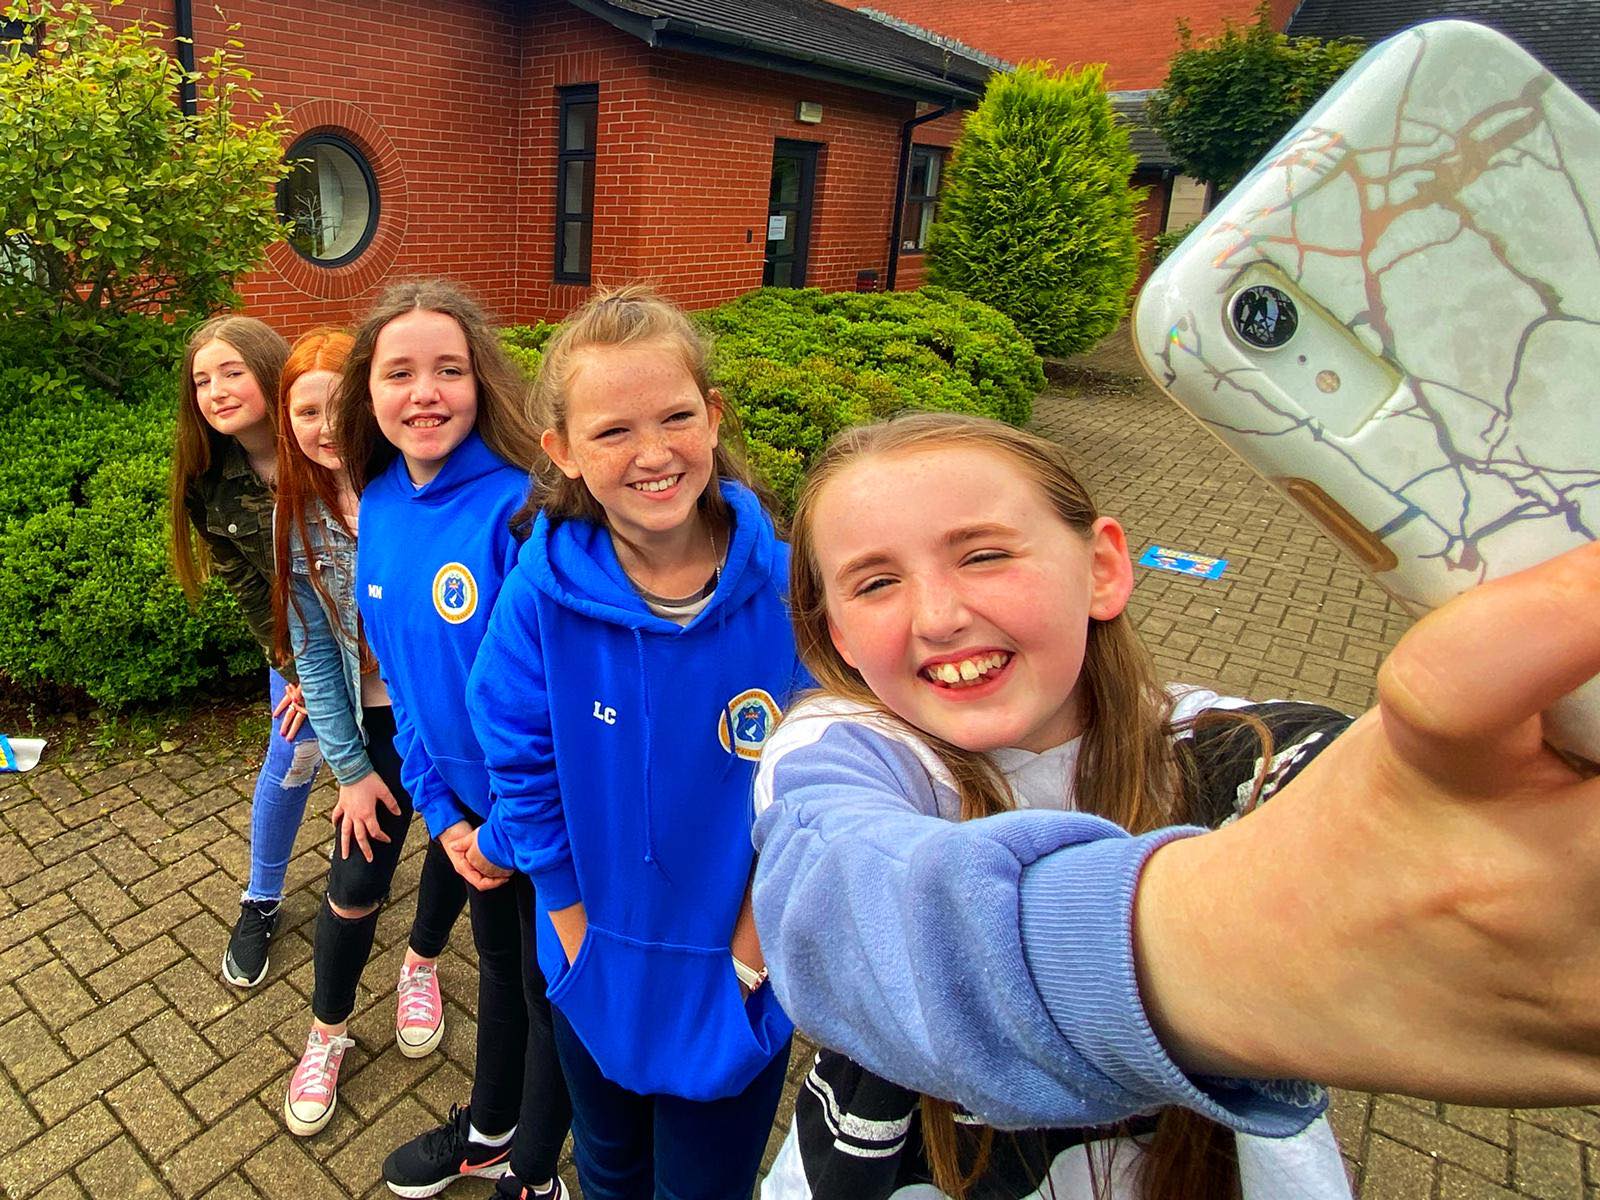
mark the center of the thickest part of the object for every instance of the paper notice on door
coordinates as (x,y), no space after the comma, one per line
(777,227)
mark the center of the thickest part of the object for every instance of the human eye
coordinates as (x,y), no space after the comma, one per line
(612,431)
(681,416)
(987,555)
(873,584)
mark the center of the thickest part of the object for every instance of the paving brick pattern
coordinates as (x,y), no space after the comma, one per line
(127,1069)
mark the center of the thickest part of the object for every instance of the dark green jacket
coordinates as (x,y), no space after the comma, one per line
(232,509)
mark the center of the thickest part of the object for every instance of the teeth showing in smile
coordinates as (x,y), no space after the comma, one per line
(425,422)
(968,671)
(656,485)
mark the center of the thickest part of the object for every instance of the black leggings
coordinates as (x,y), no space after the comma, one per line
(518,1078)
(343,944)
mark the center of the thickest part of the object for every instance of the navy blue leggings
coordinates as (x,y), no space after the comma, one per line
(633,1147)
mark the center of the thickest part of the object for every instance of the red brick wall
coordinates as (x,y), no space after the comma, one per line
(457,114)
(684,164)
(432,98)
(1135,38)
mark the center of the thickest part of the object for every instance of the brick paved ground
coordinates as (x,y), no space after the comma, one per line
(127,1069)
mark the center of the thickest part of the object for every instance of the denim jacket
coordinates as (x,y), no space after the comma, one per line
(327,642)
(231,508)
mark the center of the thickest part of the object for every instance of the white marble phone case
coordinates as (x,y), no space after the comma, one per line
(1435,222)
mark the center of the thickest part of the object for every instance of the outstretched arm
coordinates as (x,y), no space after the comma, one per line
(1420,910)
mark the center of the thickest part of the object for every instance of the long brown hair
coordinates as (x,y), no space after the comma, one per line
(1126,770)
(623,316)
(503,420)
(198,448)
(299,479)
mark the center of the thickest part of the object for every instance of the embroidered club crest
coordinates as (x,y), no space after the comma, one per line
(455,593)
(752,715)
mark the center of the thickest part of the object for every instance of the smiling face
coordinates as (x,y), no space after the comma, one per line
(225,391)
(961,597)
(310,417)
(640,436)
(424,393)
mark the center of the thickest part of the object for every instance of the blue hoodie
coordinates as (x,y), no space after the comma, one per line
(429,563)
(621,747)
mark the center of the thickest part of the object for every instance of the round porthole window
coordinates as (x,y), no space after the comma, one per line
(329,199)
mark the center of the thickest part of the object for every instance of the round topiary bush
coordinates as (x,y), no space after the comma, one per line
(1037,213)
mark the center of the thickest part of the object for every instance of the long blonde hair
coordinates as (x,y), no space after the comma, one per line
(1126,769)
(198,448)
(623,316)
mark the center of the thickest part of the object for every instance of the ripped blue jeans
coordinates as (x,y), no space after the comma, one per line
(279,803)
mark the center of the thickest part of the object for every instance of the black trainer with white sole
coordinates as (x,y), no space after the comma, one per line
(432,1161)
(244,963)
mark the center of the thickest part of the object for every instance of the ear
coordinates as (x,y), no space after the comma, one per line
(555,445)
(1111,571)
(714,409)
(838,644)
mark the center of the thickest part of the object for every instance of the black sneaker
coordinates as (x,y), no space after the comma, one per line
(432,1161)
(245,962)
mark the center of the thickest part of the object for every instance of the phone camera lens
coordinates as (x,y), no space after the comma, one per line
(1264,317)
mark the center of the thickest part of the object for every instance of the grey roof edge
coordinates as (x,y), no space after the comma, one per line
(933,37)
(678,33)
(1147,144)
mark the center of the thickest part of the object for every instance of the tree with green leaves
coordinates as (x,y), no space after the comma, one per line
(1037,213)
(113,200)
(1228,99)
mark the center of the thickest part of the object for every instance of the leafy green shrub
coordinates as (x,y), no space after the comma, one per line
(87,601)
(1228,99)
(799,366)
(1037,214)
(525,344)
(113,199)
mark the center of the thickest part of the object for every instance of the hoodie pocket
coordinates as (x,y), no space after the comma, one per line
(665,1019)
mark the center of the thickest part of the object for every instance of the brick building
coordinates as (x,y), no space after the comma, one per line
(530,148)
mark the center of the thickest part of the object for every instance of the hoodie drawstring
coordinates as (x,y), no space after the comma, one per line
(644,683)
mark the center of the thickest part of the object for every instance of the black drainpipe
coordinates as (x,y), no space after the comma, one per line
(898,220)
(183,36)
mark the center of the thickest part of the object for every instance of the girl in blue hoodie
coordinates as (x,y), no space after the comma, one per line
(636,663)
(432,426)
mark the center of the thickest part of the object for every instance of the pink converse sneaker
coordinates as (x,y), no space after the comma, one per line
(314,1086)
(419,1019)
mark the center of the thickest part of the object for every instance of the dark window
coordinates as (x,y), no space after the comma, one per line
(580,115)
(922,196)
(329,199)
(16,30)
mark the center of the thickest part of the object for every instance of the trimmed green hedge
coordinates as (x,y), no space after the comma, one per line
(87,601)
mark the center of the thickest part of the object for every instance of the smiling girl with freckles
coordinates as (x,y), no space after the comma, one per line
(639,658)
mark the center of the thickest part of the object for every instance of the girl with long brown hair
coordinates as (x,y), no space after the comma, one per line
(961,604)
(224,466)
(317,521)
(432,424)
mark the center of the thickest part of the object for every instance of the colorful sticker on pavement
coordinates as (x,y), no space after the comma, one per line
(1182,562)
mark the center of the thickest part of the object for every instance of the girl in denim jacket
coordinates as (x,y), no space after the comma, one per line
(224,466)
(314,602)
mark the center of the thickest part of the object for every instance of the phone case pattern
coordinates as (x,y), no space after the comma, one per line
(1439,208)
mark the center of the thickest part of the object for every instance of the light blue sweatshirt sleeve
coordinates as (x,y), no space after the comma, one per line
(510,711)
(900,937)
(320,663)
